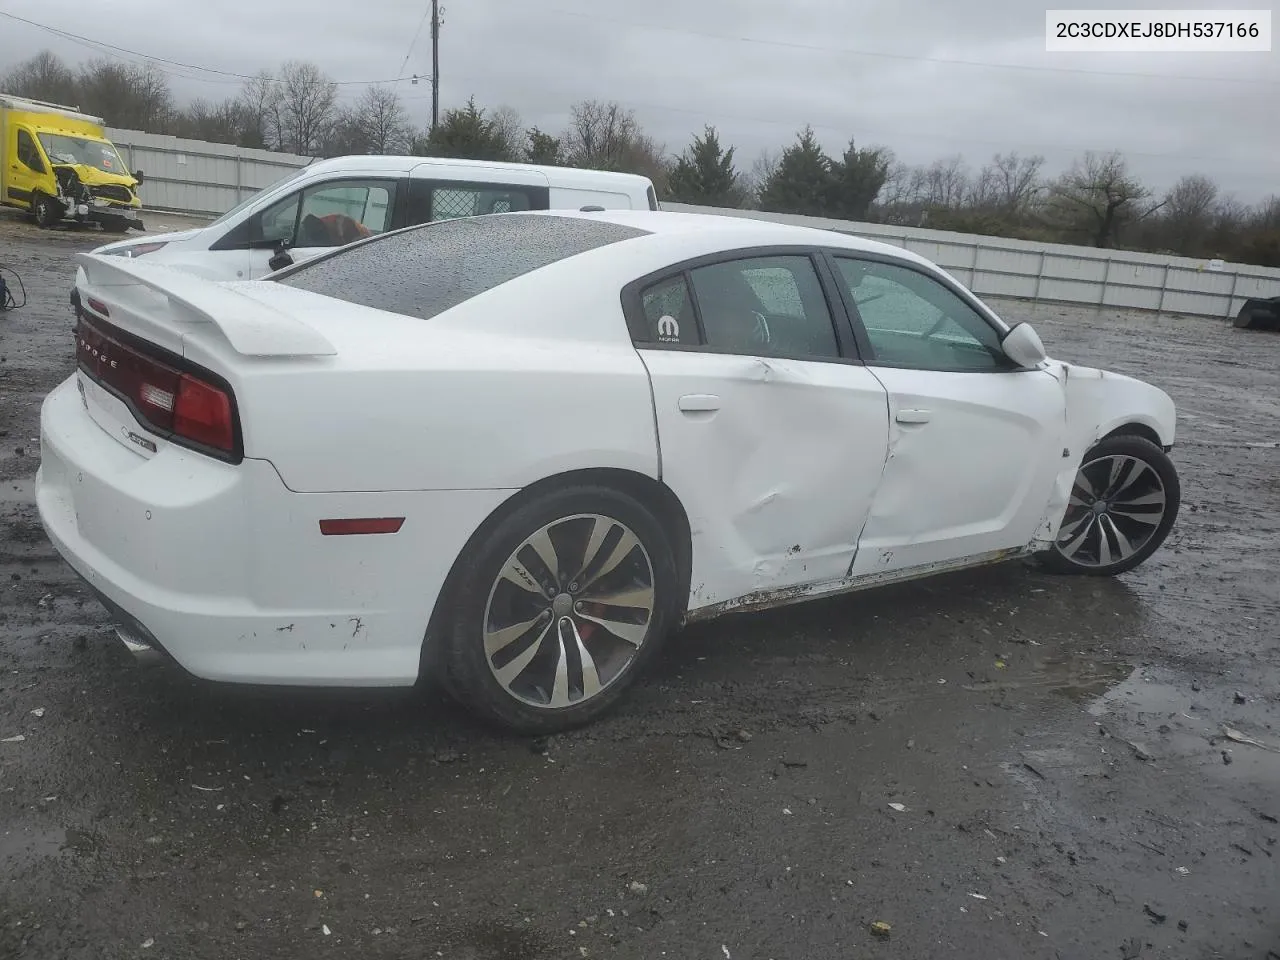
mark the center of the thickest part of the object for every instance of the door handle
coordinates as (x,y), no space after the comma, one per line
(913,416)
(699,402)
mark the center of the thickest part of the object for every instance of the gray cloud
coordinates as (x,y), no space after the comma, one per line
(757,70)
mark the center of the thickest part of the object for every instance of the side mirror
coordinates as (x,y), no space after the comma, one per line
(281,258)
(1022,345)
(139,176)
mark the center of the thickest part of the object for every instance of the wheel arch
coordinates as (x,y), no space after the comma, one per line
(1136,428)
(654,494)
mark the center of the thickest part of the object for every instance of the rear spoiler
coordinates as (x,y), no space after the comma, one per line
(253,328)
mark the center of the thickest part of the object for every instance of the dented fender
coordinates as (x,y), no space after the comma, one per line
(1099,402)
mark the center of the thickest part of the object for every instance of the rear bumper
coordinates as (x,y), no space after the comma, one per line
(225,569)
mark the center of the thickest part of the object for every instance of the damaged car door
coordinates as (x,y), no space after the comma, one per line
(975,441)
(771,432)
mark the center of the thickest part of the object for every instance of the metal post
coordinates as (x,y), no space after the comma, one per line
(239,177)
(1164,285)
(1106,275)
(435,63)
(1231,300)
(1035,294)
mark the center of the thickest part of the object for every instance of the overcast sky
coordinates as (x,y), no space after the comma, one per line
(876,70)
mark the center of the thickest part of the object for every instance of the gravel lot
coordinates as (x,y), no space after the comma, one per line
(1055,746)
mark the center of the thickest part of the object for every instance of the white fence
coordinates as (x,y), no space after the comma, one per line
(190,176)
(1027,270)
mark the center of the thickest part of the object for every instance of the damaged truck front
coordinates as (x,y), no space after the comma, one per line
(59,165)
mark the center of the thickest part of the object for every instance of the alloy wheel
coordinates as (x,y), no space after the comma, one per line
(568,611)
(1117,504)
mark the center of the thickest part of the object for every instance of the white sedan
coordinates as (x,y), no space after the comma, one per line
(514,452)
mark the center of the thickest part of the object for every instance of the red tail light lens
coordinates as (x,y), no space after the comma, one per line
(167,399)
(203,414)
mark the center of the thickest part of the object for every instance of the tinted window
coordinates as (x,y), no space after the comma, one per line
(424,271)
(765,306)
(914,321)
(668,312)
(28,153)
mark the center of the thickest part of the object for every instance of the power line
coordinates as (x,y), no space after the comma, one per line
(232,76)
(949,61)
(414,42)
(666,108)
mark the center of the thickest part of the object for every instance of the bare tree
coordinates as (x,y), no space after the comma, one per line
(605,136)
(944,183)
(125,95)
(385,124)
(508,125)
(896,191)
(215,122)
(43,77)
(305,107)
(1188,212)
(1098,198)
(1017,181)
(258,100)
(983,192)
(762,171)
(1267,216)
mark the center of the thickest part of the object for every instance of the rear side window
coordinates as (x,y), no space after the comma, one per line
(434,200)
(425,270)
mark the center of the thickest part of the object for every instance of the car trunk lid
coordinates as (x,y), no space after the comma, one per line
(132,336)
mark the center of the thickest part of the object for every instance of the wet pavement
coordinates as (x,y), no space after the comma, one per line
(1000,763)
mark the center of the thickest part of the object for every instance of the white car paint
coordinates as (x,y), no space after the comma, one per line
(199,252)
(799,478)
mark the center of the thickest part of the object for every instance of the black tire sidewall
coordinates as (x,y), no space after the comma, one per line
(469,678)
(1129,445)
(42,210)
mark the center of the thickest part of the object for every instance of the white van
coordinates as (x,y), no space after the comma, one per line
(333,202)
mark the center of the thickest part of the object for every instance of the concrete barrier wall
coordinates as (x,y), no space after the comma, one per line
(207,179)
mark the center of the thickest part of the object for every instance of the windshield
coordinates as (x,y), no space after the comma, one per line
(253,197)
(61,148)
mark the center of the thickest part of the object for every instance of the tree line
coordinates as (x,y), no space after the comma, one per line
(1098,200)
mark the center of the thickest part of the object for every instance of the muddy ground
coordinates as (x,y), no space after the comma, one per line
(1054,743)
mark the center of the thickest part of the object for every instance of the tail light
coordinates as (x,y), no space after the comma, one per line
(139,249)
(180,404)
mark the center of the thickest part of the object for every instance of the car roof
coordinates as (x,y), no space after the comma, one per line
(743,230)
(557,176)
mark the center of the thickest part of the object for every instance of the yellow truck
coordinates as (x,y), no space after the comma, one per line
(59,165)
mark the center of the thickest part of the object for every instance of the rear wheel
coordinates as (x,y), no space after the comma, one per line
(45,210)
(559,609)
(1123,504)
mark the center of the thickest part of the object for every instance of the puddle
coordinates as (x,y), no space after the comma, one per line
(18,491)
(1080,678)
(1084,679)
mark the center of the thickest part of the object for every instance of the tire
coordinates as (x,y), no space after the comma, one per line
(483,636)
(1123,505)
(44,210)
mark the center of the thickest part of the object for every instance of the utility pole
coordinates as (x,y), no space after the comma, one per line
(435,63)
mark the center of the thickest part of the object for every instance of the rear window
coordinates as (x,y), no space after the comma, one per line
(423,271)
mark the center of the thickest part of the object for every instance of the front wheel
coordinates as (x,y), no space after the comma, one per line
(1123,504)
(559,608)
(45,210)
